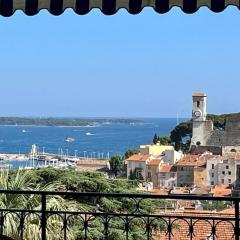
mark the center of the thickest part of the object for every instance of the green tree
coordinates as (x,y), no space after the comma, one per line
(116,164)
(136,174)
(164,140)
(21,180)
(181,132)
(219,121)
(155,139)
(215,205)
(130,152)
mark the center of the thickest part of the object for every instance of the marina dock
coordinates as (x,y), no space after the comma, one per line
(36,159)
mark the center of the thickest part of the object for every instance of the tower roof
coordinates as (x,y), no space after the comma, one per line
(199,94)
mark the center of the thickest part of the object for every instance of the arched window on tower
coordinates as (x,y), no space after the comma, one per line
(198,104)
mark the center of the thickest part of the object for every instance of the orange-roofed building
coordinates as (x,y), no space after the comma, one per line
(153,167)
(191,170)
(145,166)
(202,230)
(221,191)
(137,164)
(167,176)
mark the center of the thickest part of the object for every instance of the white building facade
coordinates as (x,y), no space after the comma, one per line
(222,171)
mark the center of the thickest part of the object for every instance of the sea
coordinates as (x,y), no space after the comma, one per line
(92,141)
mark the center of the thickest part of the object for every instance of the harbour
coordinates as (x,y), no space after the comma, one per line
(36,159)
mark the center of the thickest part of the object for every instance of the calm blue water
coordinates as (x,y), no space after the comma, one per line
(23,163)
(115,139)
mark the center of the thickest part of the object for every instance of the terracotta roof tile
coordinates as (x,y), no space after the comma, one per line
(139,157)
(154,162)
(201,190)
(194,160)
(160,191)
(180,190)
(202,229)
(199,94)
(221,191)
(230,211)
(167,169)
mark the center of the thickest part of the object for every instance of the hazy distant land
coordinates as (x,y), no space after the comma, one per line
(64,122)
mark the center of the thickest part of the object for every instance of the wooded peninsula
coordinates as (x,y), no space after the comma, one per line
(67,122)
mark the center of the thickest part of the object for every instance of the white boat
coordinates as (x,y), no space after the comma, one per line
(24,131)
(89,134)
(68,139)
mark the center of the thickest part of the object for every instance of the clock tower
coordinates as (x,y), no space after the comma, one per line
(202,128)
(199,107)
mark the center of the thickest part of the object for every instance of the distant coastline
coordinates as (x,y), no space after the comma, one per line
(64,122)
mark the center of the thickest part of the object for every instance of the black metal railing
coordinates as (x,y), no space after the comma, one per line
(137,222)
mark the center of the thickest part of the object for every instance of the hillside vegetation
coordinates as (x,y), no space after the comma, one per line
(70,180)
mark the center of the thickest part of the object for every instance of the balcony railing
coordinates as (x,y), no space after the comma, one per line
(161,224)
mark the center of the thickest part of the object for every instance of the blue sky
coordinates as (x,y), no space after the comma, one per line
(145,65)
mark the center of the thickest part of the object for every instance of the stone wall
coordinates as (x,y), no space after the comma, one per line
(201,132)
(201,149)
(216,138)
(185,176)
(233,122)
(229,137)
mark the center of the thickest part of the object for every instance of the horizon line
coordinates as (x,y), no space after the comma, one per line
(96,117)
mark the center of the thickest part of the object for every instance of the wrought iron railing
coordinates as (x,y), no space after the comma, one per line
(160,224)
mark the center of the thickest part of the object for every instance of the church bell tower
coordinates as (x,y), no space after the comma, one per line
(201,126)
(199,112)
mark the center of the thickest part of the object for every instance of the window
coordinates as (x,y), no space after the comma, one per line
(149,175)
(229,173)
(163,175)
(198,104)
(223,172)
(225,161)
(212,166)
(212,174)
(227,167)
(222,181)
(212,182)
(229,181)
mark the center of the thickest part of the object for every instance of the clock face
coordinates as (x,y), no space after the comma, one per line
(197,114)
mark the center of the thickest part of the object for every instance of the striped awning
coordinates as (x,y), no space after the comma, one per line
(109,7)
